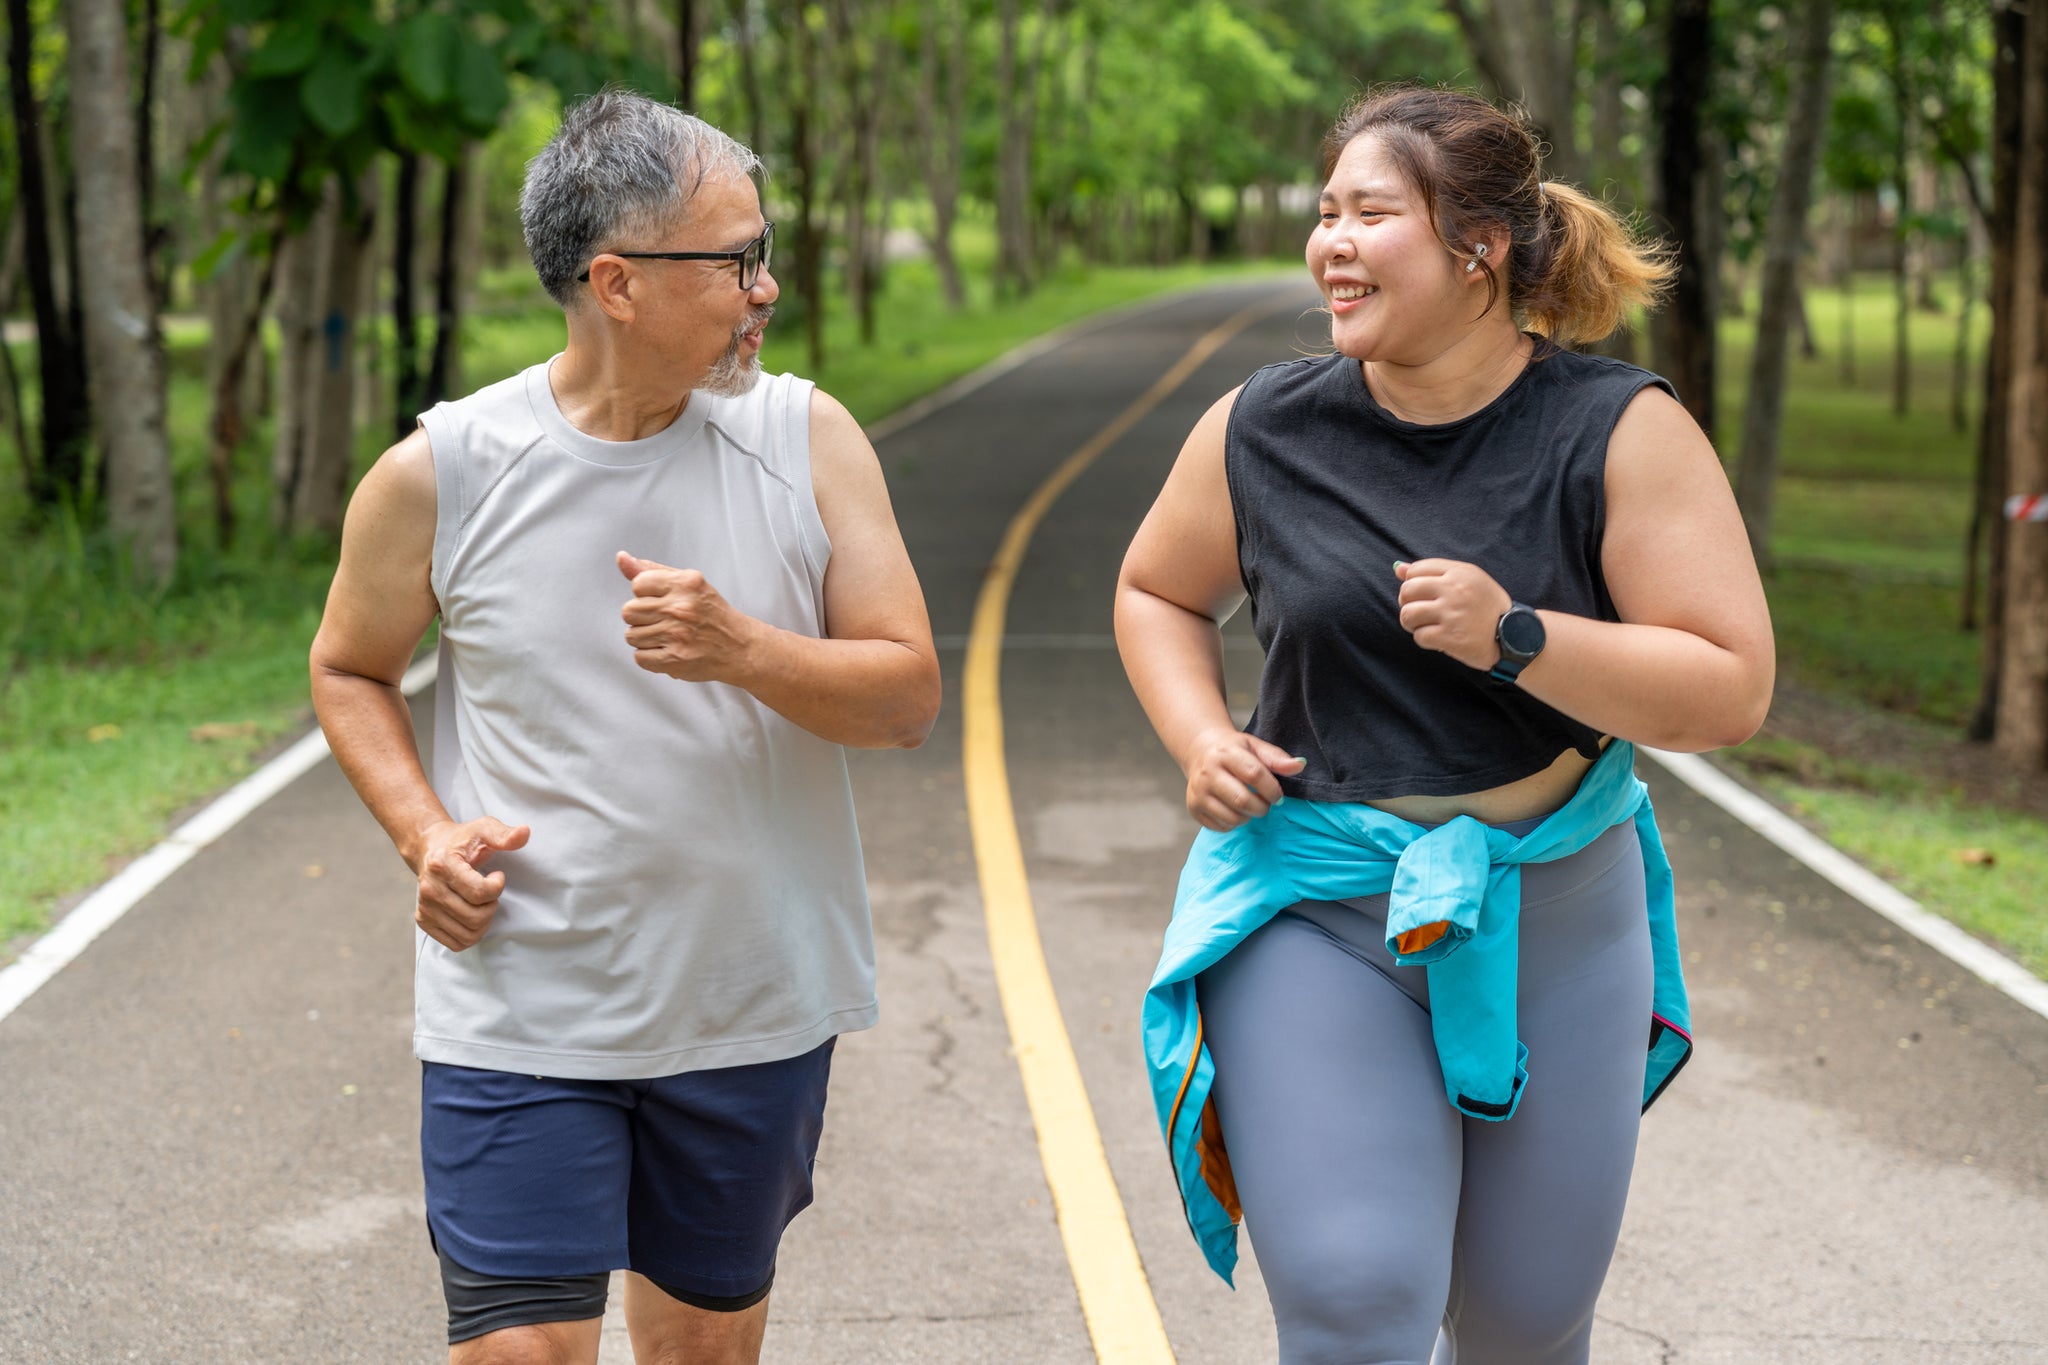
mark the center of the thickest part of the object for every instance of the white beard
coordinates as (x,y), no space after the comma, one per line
(730,376)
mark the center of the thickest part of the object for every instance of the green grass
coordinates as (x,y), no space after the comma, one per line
(102,686)
(1978,866)
(1872,512)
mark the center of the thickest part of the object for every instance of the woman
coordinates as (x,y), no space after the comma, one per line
(1482,568)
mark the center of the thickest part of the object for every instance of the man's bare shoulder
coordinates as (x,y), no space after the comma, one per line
(406,470)
(395,504)
(400,484)
(833,427)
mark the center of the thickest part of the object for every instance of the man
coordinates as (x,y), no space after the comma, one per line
(626,1020)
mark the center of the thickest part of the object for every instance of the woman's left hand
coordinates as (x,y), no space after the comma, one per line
(1453,608)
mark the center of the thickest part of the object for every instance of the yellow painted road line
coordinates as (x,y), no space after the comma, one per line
(1123,1321)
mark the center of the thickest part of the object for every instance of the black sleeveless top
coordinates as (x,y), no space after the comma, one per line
(1329,489)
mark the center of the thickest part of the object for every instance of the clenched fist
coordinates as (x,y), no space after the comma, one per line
(1453,608)
(1231,777)
(678,624)
(457,901)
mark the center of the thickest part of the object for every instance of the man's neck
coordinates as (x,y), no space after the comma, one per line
(1458,381)
(604,394)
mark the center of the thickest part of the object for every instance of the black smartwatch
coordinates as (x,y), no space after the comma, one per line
(1520,637)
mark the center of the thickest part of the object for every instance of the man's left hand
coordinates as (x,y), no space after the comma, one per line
(679,625)
(1454,608)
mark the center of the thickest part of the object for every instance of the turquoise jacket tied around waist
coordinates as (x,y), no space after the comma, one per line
(1454,900)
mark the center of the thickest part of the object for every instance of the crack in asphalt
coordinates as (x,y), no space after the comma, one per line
(1667,1352)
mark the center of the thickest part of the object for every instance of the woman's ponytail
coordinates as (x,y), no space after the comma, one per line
(1593,274)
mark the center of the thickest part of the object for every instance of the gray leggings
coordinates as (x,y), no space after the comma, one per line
(1380,1214)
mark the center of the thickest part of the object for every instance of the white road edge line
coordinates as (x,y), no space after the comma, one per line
(99,911)
(1992,966)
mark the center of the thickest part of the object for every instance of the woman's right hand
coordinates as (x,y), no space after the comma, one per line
(1231,777)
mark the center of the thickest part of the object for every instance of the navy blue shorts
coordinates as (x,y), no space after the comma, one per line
(688,1179)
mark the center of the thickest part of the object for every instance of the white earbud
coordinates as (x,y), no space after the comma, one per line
(1479,250)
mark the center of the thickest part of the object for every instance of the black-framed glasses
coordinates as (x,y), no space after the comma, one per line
(753,257)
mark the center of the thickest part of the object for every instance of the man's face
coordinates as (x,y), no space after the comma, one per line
(694,311)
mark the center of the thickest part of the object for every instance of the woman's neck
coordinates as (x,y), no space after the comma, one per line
(1456,382)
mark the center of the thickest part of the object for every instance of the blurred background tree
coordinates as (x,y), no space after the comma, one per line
(324,217)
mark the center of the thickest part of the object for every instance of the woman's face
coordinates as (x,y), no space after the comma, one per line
(1395,294)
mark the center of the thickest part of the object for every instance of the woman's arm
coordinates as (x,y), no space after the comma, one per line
(1179,582)
(1691,663)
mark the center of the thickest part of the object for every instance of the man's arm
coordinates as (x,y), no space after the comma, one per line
(873,681)
(377,610)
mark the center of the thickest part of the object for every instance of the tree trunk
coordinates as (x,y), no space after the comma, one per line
(126,364)
(330,448)
(1610,173)
(1014,254)
(1902,177)
(316,436)
(2022,729)
(688,35)
(1848,283)
(1809,349)
(154,235)
(865,80)
(1528,50)
(1927,178)
(469,264)
(10,280)
(1985,543)
(810,245)
(750,75)
(233,299)
(1756,478)
(939,137)
(1689,329)
(405,322)
(1959,376)
(1049,51)
(1608,167)
(447,288)
(60,355)
(243,332)
(1194,228)
(297,262)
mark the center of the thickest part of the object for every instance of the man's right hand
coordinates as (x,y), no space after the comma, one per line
(1231,777)
(456,901)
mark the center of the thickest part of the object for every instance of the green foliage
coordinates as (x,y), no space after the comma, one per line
(326,85)
(322,87)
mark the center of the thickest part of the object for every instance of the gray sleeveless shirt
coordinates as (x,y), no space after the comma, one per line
(692,895)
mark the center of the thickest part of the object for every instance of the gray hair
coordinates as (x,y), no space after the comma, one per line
(620,166)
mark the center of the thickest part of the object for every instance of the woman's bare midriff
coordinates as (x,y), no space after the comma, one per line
(1531,796)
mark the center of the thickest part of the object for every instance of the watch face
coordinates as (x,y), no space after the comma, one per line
(1521,632)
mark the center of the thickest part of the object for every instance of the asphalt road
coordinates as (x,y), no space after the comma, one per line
(208,1122)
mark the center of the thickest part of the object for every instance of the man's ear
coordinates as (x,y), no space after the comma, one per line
(612,286)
